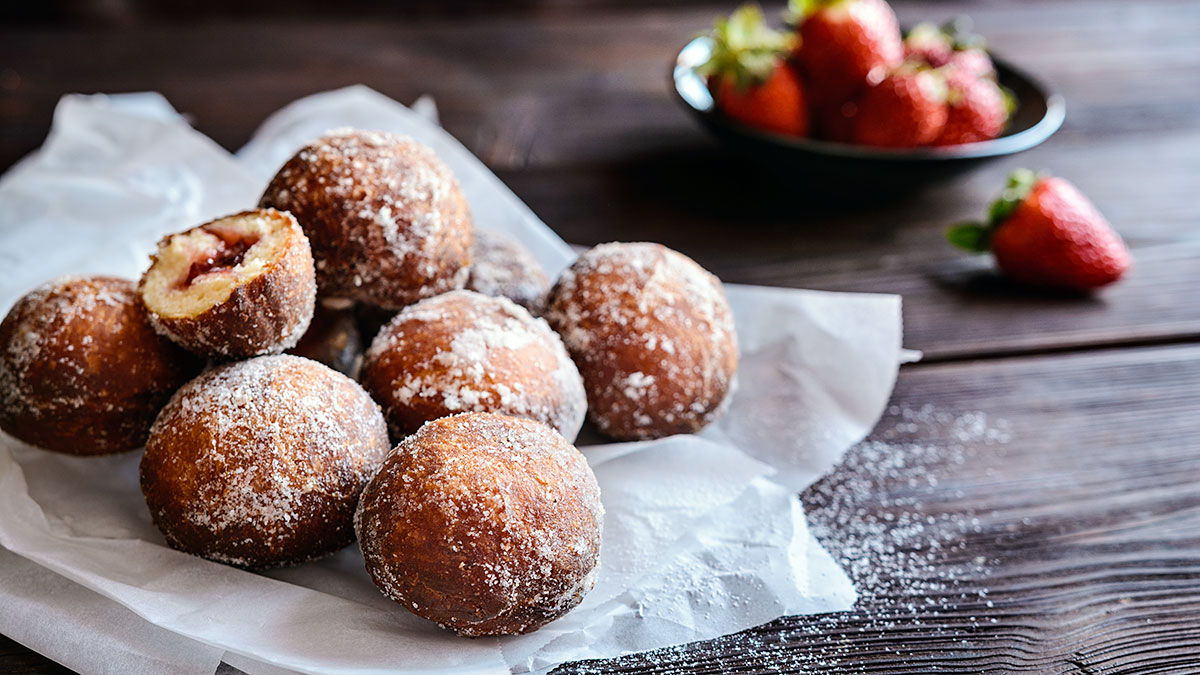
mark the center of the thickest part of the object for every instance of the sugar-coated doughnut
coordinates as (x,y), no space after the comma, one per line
(260,463)
(387,220)
(238,286)
(81,369)
(462,351)
(484,523)
(653,336)
(502,266)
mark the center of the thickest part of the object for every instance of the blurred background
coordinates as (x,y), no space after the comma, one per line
(570,103)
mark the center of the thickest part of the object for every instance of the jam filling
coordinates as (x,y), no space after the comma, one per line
(228,253)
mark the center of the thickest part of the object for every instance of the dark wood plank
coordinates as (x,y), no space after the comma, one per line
(1057,532)
(955,305)
(573,110)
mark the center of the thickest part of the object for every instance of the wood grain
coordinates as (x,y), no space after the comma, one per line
(1069,543)
(1077,519)
(572,109)
(1071,508)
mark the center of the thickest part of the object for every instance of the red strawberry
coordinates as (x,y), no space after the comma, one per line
(1044,232)
(906,109)
(774,105)
(978,111)
(971,63)
(952,45)
(845,45)
(750,81)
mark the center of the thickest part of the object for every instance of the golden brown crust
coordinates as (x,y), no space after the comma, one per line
(483,523)
(265,314)
(386,218)
(332,338)
(462,351)
(82,371)
(653,336)
(502,267)
(259,463)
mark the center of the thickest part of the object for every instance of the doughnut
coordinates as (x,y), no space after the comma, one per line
(259,463)
(82,371)
(502,266)
(332,338)
(387,220)
(462,351)
(653,336)
(235,287)
(483,523)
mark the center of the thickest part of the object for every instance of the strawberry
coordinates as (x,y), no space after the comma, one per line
(970,64)
(846,45)
(951,46)
(906,109)
(1044,232)
(978,111)
(774,105)
(749,77)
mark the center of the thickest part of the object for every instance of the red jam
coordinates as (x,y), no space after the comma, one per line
(227,254)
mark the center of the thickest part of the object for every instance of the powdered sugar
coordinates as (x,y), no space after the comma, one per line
(652,334)
(386,217)
(502,511)
(271,449)
(905,547)
(502,266)
(81,371)
(462,351)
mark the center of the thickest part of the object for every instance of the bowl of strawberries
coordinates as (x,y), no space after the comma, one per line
(842,94)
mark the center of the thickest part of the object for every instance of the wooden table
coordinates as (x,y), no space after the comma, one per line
(1045,516)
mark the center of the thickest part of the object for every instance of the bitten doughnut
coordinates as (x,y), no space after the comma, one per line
(501,266)
(332,338)
(653,336)
(483,523)
(82,371)
(260,463)
(462,351)
(386,218)
(238,286)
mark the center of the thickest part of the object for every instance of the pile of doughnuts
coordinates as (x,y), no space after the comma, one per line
(351,359)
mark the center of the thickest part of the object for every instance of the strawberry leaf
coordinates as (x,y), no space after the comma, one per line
(1010,100)
(970,236)
(745,49)
(1020,182)
(797,10)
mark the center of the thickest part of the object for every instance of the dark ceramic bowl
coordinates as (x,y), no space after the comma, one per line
(1039,113)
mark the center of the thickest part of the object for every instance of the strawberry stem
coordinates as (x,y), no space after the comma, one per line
(744,48)
(1020,182)
(976,237)
(970,236)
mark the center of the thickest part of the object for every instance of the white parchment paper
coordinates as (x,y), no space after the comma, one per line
(703,536)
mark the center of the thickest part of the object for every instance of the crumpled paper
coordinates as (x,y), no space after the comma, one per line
(703,536)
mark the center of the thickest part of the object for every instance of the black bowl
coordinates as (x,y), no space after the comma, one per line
(1039,113)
